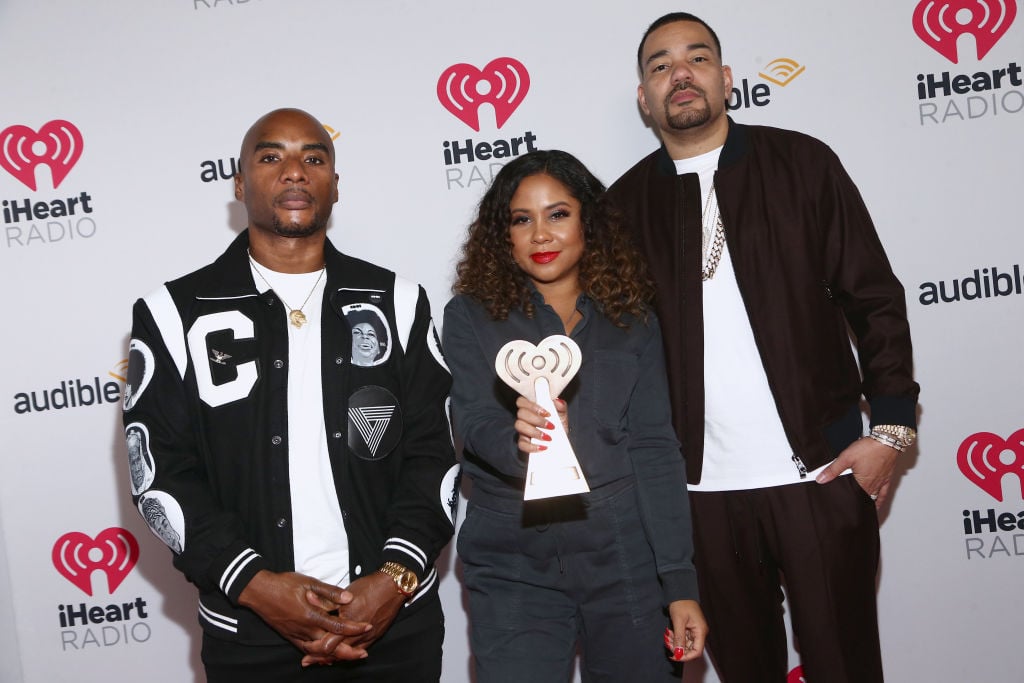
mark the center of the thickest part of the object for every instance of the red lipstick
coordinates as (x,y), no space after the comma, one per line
(544,256)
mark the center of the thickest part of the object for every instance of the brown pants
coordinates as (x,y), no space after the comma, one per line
(821,542)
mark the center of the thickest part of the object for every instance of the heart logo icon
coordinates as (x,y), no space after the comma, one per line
(503,84)
(58,144)
(940,24)
(985,458)
(114,551)
(519,364)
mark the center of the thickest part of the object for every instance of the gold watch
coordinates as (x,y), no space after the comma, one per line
(405,580)
(903,434)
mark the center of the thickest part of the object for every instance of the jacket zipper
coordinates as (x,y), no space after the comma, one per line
(801,468)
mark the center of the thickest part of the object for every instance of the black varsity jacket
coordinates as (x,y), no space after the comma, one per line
(205,414)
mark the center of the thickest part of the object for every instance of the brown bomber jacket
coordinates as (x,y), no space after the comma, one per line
(811,271)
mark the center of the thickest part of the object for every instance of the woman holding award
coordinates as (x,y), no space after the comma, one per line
(609,569)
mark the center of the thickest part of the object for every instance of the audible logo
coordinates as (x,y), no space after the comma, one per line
(781,72)
(983,283)
(72,393)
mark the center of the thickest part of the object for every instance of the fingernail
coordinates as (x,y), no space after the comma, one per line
(541,447)
(668,630)
(548,425)
(678,653)
(545,436)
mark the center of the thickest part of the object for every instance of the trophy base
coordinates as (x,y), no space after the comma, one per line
(551,482)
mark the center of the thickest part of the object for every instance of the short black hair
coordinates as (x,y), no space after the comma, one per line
(671,18)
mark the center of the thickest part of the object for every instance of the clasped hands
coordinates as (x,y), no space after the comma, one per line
(326,623)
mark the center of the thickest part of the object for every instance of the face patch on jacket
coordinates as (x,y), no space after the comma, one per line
(372,339)
(165,518)
(450,491)
(140,460)
(140,371)
(374,422)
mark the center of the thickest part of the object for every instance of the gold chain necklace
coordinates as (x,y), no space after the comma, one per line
(295,315)
(718,237)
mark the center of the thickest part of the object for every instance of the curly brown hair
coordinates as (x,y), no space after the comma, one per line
(612,273)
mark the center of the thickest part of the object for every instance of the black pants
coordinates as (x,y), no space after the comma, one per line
(823,541)
(409,652)
(566,571)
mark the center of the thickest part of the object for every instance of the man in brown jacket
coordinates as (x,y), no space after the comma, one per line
(766,260)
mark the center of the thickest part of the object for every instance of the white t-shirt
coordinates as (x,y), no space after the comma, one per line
(318,531)
(745,446)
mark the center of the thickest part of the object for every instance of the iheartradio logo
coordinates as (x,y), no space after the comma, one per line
(985,458)
(114,551)
(58,145)
(940,24)
(503,84)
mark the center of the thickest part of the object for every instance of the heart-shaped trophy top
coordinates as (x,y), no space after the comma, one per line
(557,359)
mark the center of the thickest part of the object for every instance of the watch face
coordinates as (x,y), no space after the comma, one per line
(407,582)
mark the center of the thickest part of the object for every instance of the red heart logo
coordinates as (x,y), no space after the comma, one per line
(796,676)
(940,24)
(114,551)
(985,458)
(58,144)
(503,84)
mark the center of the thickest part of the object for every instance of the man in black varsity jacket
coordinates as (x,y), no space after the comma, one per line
(306,495)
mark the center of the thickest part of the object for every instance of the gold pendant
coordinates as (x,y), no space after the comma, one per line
(297,318)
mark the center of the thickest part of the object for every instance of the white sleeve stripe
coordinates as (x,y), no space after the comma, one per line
(408,548)
(165,313)
(228,298)
(406,295)
(218,620)
(435,348)
(424,587)
(235,568)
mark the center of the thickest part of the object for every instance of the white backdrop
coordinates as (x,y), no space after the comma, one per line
(160,94)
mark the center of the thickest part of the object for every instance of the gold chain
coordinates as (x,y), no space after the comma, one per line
(295,315)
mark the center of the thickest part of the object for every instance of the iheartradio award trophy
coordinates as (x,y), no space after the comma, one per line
(539,373)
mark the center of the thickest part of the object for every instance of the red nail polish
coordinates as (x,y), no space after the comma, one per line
(541,447)
(678,653)
(548,425)
(544,436)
